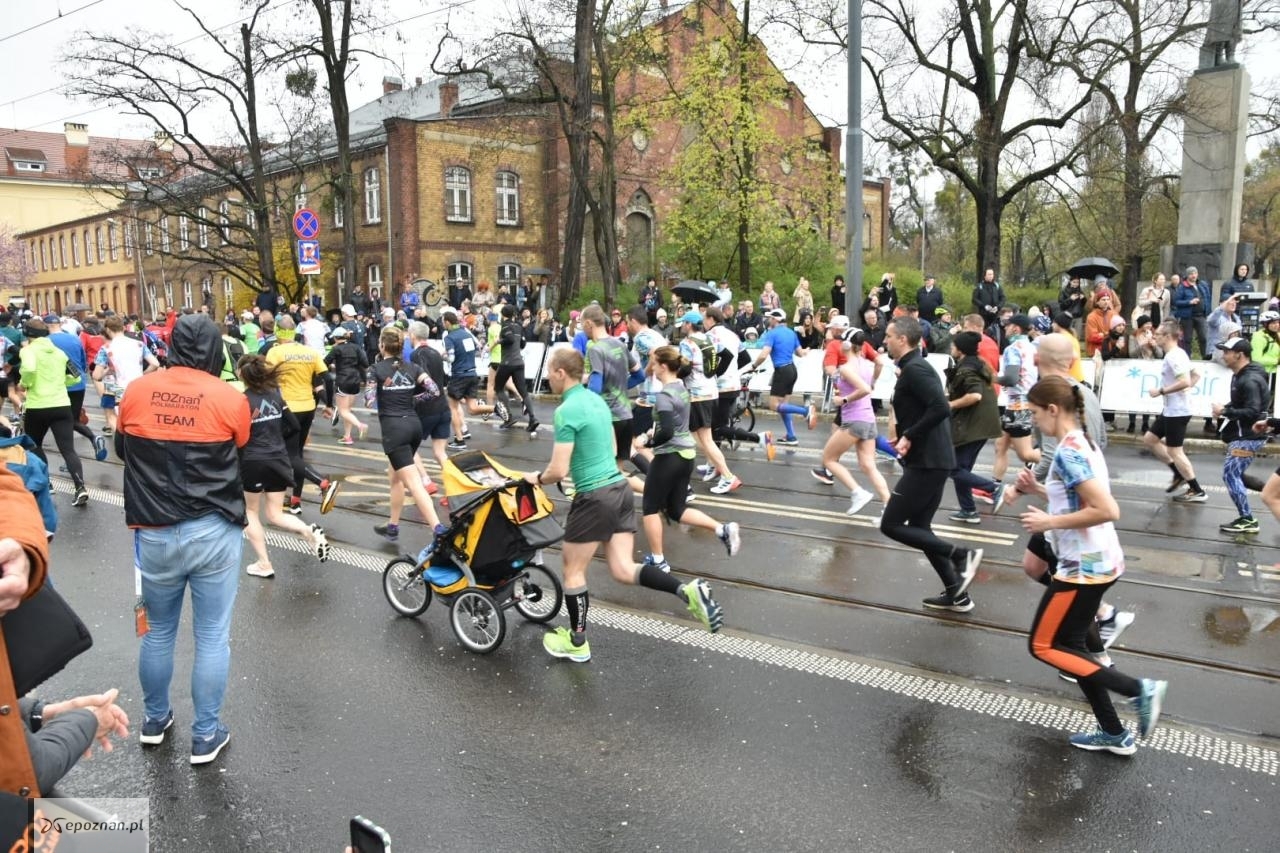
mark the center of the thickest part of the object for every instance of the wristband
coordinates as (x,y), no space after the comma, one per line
(539,478)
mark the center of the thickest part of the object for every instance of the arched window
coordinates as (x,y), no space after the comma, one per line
(88,249)
(75,249)
(457,194)
(99,247)
(509,274)
(458,274)
(508,189)
(44,257)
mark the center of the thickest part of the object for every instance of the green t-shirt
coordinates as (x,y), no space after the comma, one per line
(583,419)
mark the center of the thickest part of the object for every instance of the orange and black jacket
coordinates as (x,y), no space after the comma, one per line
(179,434)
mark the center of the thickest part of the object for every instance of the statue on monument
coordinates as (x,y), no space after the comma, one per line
(1223,33)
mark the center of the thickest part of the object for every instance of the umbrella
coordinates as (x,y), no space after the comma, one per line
(1092,267)
(79,306)
(697,292)
(538,271)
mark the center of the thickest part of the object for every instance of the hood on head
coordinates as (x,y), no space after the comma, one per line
(197,343)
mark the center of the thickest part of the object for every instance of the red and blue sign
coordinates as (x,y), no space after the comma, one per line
(306,225)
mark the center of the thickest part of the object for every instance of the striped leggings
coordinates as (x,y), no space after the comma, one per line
(1240,455)
(1058,638)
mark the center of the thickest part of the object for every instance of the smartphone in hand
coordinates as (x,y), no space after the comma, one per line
(368,837)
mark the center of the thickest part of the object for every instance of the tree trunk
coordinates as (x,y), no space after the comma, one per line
(262,221)
(579,139)
(747,172)
(604,205)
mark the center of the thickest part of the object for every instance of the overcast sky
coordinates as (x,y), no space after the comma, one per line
(31,44)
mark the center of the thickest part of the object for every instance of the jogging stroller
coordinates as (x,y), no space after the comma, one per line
(488,560)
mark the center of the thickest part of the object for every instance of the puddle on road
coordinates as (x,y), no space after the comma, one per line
(1233,624)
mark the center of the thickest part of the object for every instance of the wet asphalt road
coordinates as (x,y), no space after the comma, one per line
(941,734)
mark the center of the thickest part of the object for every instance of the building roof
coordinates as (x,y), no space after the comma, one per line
(65,161)
(419,102)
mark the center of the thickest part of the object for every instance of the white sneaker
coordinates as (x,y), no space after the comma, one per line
(319,543)
(258,572)
(708,472)
(857,500)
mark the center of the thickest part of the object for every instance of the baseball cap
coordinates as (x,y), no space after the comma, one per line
(1063,319)
(839,321)
(1237,345)
(51,319)
(1022,321)
(777,314)
(340,332)
(349,310)
(694,317)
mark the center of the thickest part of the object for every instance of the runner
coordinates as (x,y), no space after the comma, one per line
(121,360)
(302,374)
(1081,530)
(704,359)
(667,486)
(780,344)
(608,366)
(924,443)
(644,341)
(1250,397)
(1169,429)
(74,350)
(1017,375)
(729,386)
(265,467)
(460,348)
(854,378)
(433,412)
(511,369)
(975,419)
(397,383)
(348,364)
(48,406)
(602,511)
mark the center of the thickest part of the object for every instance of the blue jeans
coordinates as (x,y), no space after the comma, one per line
(964,478)
(1233,469)
(205,554)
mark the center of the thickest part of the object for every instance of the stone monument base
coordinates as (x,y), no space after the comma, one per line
(1216,262)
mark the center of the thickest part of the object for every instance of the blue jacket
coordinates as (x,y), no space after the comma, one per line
(1182,296)
(18,453)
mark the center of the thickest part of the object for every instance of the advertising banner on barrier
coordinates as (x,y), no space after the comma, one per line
(1127,383)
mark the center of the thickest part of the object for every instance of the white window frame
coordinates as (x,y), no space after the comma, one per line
(228,293)
(62,251)
(372,196)
(129,237)
(88,251)
(454,273)
(186,294)
(184,232)
(300,198)
(457,194)
(149,236)
(98,248)
(113,242)
(151,292)
(374,274)
(510,281)
(508,198)
(224,221)
(202,228)
(250,218)
(33,254)
(168,294)
(166,246)
(44,264)
(75,249)
(338,221)
(342,280)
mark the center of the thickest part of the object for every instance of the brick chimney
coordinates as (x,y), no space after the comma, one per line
(448,98)
(77,134)
(163,141)
(417,81)
(391,84)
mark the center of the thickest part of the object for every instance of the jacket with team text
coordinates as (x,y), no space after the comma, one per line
(179,434)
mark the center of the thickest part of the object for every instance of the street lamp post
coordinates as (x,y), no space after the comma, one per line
(853,165)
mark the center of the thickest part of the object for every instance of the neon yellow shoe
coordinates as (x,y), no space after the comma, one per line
(559,644)
(698,595)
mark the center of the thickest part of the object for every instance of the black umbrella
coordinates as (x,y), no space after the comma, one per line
(697,292)
(538,271)
(1092,267)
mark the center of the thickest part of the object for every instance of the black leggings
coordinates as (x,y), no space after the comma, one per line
(295,444)
(908,518)
(37,422)
(720,430)
(77,404)
(1058,638)
(516,372)
(666,485)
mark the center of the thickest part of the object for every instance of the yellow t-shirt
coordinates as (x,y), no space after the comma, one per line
(299,367)
(1077,366)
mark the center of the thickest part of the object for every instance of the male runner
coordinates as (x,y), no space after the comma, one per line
(460,347)
(781,345)
(602,512)
(607,368)
(1169,429)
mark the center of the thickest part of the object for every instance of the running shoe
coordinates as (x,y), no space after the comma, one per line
(766,441)
(967,563)
(731,537)
(689,495)
(1100,741)
(319,543)
(293,506)
(347,440)
(708,472)
(966,516)
(983,496)
(81,497)
(1177,480)
(661,565)
(100,448)
(256,569)
(430,486)
(787,441)
(958,603)
(812,420)
(506,425)
(1243,524)
(998,495)
(335,417)
(153,731)
(823,476)
(106,430)
(1190,497)
(533,426)
(1148,705)
(328,491)
(859,498)
(364,430)
(1111,629)
(500,409)
(466,435)
(456,444)
(725,485)
(390,532)
(206,750)
(559,644)
(698,595)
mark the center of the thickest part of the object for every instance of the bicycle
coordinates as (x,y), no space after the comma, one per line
(743,416)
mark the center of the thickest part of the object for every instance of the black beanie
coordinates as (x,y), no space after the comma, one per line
(967,342)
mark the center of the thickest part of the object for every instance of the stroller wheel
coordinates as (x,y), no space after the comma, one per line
(407,593)
(538,594)
(477,621)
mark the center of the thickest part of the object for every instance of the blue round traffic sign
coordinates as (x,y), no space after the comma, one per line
(306,224)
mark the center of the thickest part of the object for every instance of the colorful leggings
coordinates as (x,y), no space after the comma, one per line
(1239,456)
